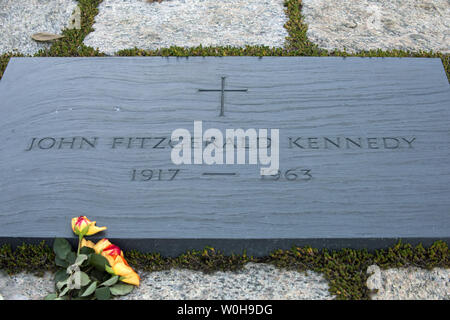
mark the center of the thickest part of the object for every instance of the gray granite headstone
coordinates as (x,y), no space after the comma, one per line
(364,151)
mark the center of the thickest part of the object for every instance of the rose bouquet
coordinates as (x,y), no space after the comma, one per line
(95,271)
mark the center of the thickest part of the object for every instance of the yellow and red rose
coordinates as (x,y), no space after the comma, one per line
(116,260)
(83,226)
(102,244)
(121,268)
(108,250)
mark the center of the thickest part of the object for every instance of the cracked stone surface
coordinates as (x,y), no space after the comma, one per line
(125,24)
(19,19)
(412,25)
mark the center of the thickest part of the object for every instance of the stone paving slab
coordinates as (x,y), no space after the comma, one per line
(255,281)
(382,24)
(125,24)
(409,284)
(19,19)
(25,286)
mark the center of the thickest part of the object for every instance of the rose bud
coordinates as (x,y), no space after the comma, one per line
(82,226)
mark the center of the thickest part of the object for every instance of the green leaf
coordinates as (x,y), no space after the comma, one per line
(61,284)
(61,263)
(62,248)
(61,275)
(71,257)
(84,279)
(86,250)
(64,292)
(121,289)
(103,293)
(89,290)
(98,275)
(98,261)
(109,270)
(51,296)
(113,280)
(80,259)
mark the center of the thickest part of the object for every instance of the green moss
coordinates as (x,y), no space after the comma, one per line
(72,43)
(297,41)
(344,269)
(30,258)
(208,260)
(205,51)
(4,59)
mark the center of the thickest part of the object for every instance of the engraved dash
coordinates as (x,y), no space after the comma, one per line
(219,173)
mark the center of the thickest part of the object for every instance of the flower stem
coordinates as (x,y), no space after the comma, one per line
(80,237)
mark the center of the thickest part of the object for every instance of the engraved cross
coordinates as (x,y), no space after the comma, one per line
(222,98)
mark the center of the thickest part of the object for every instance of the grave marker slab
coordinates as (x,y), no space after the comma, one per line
(364,149)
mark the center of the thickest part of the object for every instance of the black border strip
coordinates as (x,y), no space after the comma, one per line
(252,247)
